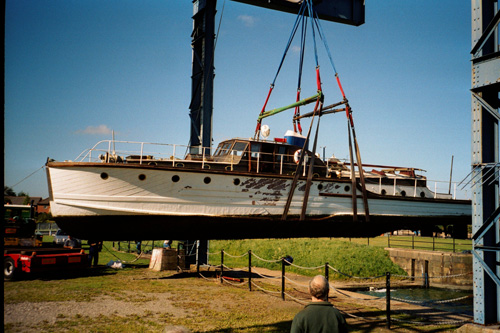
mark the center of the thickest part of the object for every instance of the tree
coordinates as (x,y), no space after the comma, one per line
(8,191)
(27,199)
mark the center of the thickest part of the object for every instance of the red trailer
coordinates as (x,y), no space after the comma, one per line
(40,259)
(24,251)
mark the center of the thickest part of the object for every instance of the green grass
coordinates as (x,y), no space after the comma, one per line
(349,258)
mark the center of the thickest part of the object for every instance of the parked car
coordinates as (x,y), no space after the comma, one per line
(60,237)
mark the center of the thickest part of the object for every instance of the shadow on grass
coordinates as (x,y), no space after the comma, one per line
(282,326)
(65,274)
(215,274)
(415,321)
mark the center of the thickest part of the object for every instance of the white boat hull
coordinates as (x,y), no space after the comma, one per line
(107,194)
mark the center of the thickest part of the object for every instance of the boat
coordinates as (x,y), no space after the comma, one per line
(239,191)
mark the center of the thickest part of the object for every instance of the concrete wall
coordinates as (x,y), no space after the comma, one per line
(440,266)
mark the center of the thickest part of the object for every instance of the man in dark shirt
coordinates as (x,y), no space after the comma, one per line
(72,243)
(319,315)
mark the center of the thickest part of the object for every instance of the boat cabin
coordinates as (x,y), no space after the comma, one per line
(263,156)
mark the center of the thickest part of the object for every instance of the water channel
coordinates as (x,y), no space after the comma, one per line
(430,298)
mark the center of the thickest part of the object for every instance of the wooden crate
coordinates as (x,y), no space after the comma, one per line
(166,259)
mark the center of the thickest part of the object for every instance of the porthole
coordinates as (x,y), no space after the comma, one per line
(347,188)
(236,181)
(175,178)
(422,194)
(142,176)
(104,175)
(207,180)
(403,193)
(320,187)
(383,192)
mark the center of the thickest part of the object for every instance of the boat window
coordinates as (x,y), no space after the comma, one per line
(239,148)
(223,149)
(255,149)
(281,154)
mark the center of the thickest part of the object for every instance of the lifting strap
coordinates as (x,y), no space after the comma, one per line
(310,171)
(299,165)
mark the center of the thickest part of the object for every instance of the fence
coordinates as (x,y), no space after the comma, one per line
(280,283)
(282,280)
(429,243)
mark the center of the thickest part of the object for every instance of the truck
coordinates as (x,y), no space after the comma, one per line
(25,252)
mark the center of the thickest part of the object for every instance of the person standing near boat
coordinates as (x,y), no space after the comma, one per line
(71,243)
(319,315)
(94,248)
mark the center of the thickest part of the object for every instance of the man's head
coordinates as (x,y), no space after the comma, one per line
(319,288)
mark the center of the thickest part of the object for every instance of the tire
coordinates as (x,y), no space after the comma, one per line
(9,269)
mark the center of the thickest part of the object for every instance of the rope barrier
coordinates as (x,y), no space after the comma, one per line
(296,299)
(123,261)
(264,290)
(356,277)
(432,277)
(431,302)
(265,260)
(358,298)
(233,283)
(450,322)
(309,268)
(233,256)
(296,283)
(266,277)
(284,294)
(208,279)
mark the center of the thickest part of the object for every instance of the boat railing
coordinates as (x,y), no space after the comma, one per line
(179,155)
(150,153)
(438,189)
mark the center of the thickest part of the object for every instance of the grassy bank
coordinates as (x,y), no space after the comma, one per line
(349,258)
(360,257)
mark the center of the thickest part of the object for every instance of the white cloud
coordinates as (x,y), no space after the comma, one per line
(95,130)
(296,49)
(248,21)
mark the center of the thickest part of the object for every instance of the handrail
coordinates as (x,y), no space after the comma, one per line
(282,163)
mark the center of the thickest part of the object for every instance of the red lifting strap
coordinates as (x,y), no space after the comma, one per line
(318,79)
(340,86)
(297,111)
(264,107)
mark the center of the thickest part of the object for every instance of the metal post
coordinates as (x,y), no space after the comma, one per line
(388,299)
(426,280)
(326,272)
(250,270)
(197,263)
(178,258)
(283,278)
(221,265)
(327,277)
